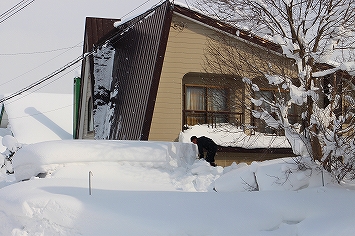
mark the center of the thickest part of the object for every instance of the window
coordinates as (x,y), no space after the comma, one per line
(205,105)
(90,125)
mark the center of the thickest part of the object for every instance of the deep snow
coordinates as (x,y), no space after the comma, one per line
(160,188)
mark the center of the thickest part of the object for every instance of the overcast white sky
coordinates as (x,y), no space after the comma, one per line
(47,25)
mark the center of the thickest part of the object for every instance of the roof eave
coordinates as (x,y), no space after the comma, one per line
(225,28)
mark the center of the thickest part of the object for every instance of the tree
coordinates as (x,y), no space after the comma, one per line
(319,37)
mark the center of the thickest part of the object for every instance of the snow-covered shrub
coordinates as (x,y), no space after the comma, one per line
(12,146)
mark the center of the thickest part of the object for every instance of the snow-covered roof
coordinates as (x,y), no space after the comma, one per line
(231,136)
(38,117)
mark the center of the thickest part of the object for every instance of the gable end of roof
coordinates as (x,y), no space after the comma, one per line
(227,28)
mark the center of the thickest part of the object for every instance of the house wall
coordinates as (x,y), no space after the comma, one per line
(86,94)
(184,54)
(187,52)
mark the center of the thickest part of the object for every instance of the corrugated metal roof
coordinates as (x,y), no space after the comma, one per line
(139,51)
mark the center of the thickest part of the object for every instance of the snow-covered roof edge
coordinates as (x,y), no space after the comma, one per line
(215,24)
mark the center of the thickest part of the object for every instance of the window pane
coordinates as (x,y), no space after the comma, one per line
(217,99)
(193,119)
(195,98)
(217,118)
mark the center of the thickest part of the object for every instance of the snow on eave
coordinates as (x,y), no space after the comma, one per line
(347,69)
(180,4)
(123,26)
(141,15)
(324,72)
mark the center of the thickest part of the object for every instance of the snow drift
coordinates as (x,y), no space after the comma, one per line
(43,157)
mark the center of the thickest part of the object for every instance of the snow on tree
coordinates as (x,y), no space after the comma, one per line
(318,36)
(12,146)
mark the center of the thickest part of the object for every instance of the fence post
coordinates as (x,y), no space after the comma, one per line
(90,174)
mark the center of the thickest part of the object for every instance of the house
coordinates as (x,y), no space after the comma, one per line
(148,78)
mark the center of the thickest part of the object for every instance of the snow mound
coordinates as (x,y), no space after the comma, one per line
(284,174)
(238,179)
(44,157)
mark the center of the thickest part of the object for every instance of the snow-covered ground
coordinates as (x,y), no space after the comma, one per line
(156,188)
(159,188)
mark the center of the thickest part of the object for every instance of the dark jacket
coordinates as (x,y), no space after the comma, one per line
(205,143)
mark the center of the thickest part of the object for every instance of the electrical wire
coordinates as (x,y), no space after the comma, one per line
(136,8)
(60,70)
(39,113)
(40,52)
(27,94)
(14,10)
(11,9)
(40,64)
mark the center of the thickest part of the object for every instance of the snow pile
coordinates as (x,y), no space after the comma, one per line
(282,174)
(159,188)
(232,136)
(38,158)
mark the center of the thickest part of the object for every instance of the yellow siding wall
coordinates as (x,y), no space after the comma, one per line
(186,52)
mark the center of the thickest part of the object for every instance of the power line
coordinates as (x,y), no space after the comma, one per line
(60,70)
(136,8)
(40,64)
(39,113)
(69,48)
(40,52)
(27,94)
(14,10)
(11,9)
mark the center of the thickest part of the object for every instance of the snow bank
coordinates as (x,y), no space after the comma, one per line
(282,174)
(46,156)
